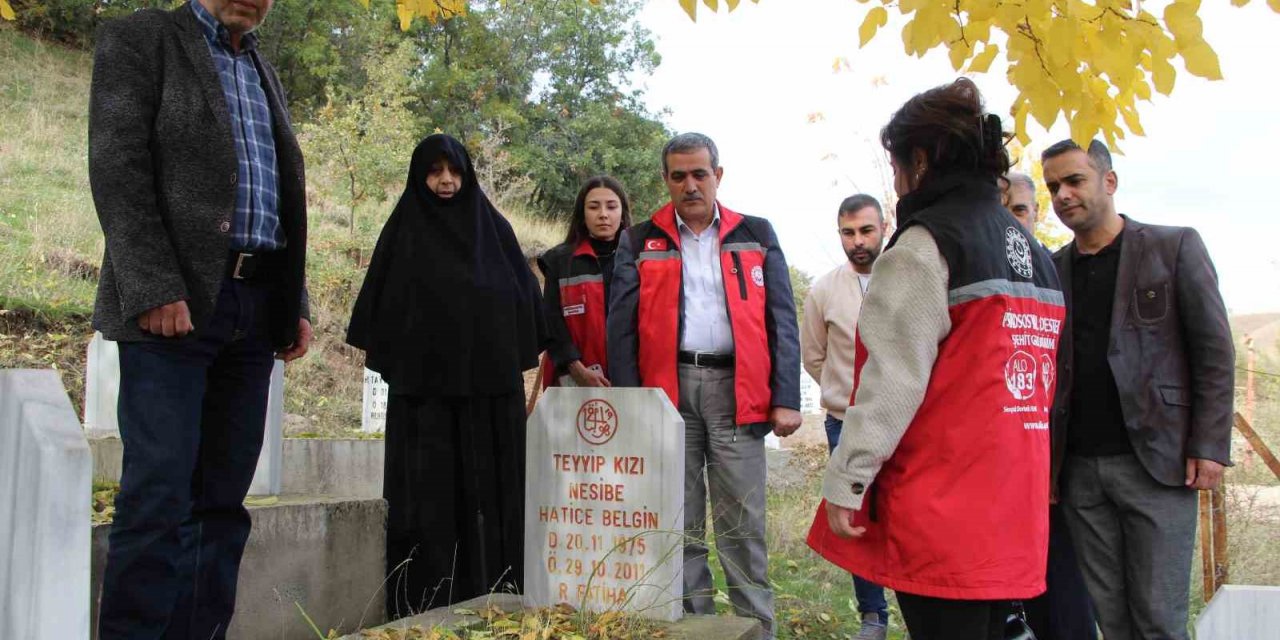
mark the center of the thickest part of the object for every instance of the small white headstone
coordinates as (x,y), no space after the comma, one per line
(270,472)
(1239,612)
(45,469)
(604,510)
(374,417)
(102,394)
(102,387)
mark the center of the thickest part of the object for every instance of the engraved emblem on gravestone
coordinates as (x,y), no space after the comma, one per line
(597,421)
(1020,375)
(1018,251)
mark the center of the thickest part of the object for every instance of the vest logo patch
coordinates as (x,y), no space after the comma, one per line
(1047,372)
(1020,375)
(655,244)
(757,275)
(1018,251)
(575,310)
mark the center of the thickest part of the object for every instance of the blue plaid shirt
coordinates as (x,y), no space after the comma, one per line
(256,225)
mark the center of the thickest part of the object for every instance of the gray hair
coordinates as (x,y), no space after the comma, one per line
(1022,179)
(688,143)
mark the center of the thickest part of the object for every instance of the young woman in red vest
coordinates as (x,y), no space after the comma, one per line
(939,488)
(576,292)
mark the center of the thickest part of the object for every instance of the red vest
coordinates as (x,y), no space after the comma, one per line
(583,305)
(960,510)
(742,267)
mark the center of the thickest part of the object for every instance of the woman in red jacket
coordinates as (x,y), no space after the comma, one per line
(577,273)
(939,488)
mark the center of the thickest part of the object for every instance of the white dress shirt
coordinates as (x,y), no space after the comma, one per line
(706,312)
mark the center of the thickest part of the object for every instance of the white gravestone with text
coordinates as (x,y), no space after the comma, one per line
(604,502)
(373,419)
(102,392)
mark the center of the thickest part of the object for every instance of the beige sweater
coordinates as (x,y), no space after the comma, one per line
(826,336)
(904,319)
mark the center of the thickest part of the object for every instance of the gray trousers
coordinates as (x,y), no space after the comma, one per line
(1134,537)
(731,463)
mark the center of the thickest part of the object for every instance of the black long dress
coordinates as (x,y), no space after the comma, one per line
(449,314)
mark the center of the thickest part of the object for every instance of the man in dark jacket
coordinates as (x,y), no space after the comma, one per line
(701,306)
(1143,413)
(198,184)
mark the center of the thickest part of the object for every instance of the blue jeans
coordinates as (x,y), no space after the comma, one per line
(870,596)
(191,414)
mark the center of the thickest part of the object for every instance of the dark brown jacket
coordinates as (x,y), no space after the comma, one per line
(163,171)
(1170,351)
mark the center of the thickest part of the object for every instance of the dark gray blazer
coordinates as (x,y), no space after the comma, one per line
(1170,351)
(162,168)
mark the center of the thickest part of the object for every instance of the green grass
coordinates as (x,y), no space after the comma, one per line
(51,243)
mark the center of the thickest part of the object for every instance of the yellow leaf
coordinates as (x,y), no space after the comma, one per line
(1142,90)
(733,4)
(1020,122)
(960,52)
(1239,3)
(690,7)
(1202,61)
(6,11)
(1274,4)
(982,62)
(1083,127)
(1131,120)
(714,5)
(1182,21)
(406,15)
(1046,102)
(877,17)
(1163,75)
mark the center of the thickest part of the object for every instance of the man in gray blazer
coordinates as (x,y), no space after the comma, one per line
(198,184)
(1143,413)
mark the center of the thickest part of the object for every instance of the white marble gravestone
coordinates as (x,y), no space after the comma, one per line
(45,469)
(102,391)
(1239,612)
(604,502)
(373,419)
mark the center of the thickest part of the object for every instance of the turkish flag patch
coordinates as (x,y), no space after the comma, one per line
(655,244)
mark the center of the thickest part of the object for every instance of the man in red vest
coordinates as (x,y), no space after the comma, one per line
(702,308)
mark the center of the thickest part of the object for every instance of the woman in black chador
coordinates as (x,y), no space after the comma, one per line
(450,315)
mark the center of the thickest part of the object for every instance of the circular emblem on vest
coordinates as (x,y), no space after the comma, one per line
(1020,375)
(757,275)
(1018,251)
(1047,372)
(597,422)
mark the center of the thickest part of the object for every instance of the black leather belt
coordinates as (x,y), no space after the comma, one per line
(708,360)
(254,265)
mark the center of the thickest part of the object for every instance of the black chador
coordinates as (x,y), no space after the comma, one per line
(449,314)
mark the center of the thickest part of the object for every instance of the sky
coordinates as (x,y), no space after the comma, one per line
(796,137)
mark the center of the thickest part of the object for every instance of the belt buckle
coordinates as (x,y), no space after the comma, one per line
(240,256)
(697,359)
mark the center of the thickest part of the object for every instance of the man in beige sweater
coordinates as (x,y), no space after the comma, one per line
(826,342)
